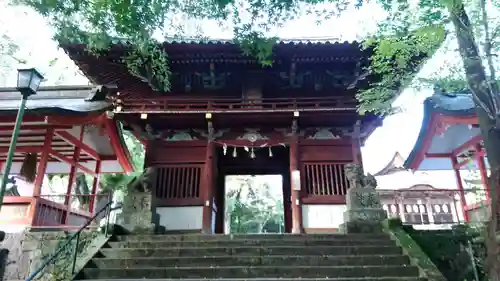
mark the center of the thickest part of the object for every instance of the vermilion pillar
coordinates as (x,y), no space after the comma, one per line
(69,188)
(95,185)
(42,165)
(460,185)
(71,180)
(207,188)
(40,173)
(482,170)
(296,204)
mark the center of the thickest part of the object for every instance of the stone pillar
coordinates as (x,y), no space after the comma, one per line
(364,212)
(136,215)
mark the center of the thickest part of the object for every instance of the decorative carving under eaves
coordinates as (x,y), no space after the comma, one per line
(288,132)
(339,79)
(349,132)
(180,135)
(151,133)
(216,134)
(252,135)
(101,92)
(293,81)
(324,134)
(213,80)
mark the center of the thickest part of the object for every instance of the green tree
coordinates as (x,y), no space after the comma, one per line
(251,206)
(8,51)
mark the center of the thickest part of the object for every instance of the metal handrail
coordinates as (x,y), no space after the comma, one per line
(76,236)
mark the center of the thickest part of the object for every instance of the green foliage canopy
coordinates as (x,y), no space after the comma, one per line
(251,205)
(99,23)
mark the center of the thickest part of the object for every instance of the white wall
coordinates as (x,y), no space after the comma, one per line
(323,216)
(181,218)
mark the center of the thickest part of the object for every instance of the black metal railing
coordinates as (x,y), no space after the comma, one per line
(75,237)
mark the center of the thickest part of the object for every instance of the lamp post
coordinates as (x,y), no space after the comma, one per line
(28,81)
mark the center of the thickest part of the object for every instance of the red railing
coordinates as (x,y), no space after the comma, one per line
(51,211)
(221,105)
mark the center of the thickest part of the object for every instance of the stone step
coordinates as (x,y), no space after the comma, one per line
(250,251)
(222,237)
(278,279)
(254,242)
(252,261)
(253,272)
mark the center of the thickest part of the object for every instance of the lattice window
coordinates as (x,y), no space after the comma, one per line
(178,181)
(323,179)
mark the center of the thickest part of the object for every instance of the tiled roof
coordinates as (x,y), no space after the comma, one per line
(284,41)
(451,103)
(60,98)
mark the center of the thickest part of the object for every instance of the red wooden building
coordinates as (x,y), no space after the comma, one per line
(225,114)
(68,134)
(450,139)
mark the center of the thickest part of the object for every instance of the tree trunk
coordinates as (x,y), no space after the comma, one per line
(482,92)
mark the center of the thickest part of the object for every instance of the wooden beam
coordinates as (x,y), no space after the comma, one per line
(34,127)
(40,175)
(460,185)
(466,145)
(296,198)
(207,186)
(4,143)
(76,142)
(93,118)
(70,161)
(438,155)
(25,149)
(42,165)
(26,119)
(71,180)
(120,151)
(452,120)
(25,134)
(461,163)
(95,185)
(482,169)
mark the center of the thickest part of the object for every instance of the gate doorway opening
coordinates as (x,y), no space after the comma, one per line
(252,194)
(254,204)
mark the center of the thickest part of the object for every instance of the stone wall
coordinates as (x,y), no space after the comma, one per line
(28,250)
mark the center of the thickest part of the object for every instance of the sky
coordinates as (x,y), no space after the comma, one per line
(398,132)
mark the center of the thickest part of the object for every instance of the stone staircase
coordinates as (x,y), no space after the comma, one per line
(353,257)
